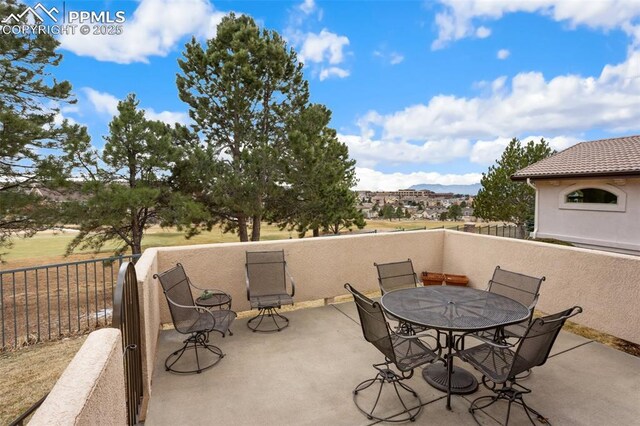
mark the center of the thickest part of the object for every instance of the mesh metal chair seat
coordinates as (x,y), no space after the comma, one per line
(192,320)
(405,352)
(501,363)
(266,278)
(274,301)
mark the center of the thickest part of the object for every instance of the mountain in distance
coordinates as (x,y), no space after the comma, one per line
(455,189)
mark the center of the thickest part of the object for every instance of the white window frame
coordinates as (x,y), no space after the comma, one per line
(620,206)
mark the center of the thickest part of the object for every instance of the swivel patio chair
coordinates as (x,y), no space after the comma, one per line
(396,276)
(405,352)
(192,320)
(519,287)
(500,364)
(266,276)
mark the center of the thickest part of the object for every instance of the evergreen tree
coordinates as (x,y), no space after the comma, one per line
(125,187)
(319,176)
(500,198)
(454,212)
(243,88)
(30,102)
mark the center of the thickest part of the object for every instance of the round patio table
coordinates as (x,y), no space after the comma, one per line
(453,309)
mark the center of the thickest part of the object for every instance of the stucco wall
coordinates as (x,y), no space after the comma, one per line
(605,284)
(616,229)
(319,266)
(91,390)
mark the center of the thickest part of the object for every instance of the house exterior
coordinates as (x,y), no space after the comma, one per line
(589,195)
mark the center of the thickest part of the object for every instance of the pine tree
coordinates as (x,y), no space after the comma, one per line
(243,89)
(500,198)
(126,189)
(30,102)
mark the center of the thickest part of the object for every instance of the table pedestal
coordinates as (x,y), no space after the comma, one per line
(462,382)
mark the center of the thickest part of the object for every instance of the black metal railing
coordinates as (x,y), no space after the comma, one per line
(20,421)
(126,317)
(48,302)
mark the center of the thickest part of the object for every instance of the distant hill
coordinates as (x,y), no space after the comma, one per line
(456,189)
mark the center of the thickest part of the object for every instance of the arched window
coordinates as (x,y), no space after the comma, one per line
(592,195)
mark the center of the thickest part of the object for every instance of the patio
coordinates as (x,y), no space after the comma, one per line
(306,373)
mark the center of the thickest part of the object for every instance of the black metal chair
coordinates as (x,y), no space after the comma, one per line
(193,320)
(405,352)
(266,276)
(500,364)
(396,276)
(519,287)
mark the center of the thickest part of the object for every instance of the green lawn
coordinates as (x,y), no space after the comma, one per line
(50,247)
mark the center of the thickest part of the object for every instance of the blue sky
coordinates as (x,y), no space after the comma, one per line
(422,92)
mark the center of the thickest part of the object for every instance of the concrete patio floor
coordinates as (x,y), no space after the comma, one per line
(305,375)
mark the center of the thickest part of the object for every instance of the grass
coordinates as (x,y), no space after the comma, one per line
(30,373)
(49,247)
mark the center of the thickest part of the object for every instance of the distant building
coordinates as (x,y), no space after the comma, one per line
(589,195)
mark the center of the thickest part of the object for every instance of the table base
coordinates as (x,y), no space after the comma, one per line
(462,382)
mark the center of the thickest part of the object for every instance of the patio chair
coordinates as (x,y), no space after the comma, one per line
(405,352)
(501,364)
(192,320)
(266,276)
(396,276)
(519,287)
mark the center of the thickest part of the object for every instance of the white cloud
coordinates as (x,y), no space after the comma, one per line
(333,72)
(323,46)
(457,20)
(483,32)
(503,54)
(308,6)
(369,179)
(393,58)
(106,103)
(564,105)
(154,29)
(102,102)
(368,152)
(396,58)
(486,152)
(169,117)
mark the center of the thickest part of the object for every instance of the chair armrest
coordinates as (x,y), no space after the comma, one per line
(199,309)
(213,290)
(459,341)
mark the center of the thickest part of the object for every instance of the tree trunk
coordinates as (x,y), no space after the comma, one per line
(242,228)
(255,229)
(316,232)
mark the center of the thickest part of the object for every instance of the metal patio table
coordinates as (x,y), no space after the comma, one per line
(453,309)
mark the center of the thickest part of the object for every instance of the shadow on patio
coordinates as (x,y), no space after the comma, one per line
(305,375)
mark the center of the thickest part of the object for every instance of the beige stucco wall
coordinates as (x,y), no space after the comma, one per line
(319,266)
(91,390)
(605,284)
(616,229)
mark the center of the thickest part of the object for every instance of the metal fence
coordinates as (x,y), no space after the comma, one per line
(126,317)
(48,302)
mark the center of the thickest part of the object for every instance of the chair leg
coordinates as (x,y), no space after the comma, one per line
(384,377)
(279,321)
(512,396)
(193,342)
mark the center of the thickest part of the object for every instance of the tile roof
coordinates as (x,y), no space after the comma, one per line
(605,157)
